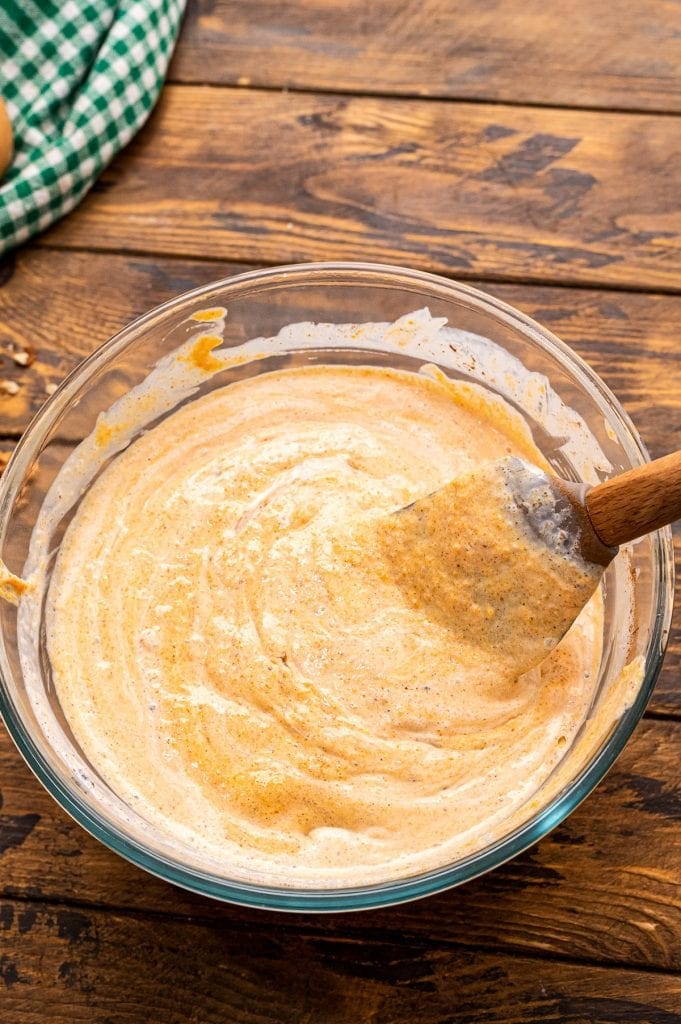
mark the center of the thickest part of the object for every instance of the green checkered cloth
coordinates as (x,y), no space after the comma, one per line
(78,78)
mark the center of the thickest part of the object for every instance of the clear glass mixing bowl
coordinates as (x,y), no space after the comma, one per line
(638,595)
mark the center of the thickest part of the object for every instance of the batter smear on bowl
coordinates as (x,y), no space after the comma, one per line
(255,653)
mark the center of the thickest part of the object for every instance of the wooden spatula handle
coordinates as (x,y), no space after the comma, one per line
(636,502)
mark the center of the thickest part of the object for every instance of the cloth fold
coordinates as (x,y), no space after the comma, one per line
(78,79)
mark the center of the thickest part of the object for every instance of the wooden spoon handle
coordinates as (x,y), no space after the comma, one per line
(636,502)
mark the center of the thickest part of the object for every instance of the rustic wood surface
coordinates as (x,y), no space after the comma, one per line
(573,215)
(567,53)
(198,972)
(513,193)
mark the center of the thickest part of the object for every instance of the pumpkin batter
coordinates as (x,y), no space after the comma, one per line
(247,646)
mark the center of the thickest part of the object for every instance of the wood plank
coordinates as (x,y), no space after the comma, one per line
(605,886)
(69,966)
(58,306)
(577,53)
(475,191)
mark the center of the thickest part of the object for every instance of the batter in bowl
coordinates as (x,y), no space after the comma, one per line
(243,653)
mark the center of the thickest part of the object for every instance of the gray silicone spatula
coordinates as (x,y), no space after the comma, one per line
(596,520)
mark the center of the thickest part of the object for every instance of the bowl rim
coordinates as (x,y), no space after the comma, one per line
(399,890)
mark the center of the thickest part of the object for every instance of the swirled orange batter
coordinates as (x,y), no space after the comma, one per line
(242,650)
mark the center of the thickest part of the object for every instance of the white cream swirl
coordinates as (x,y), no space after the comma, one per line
(234,660)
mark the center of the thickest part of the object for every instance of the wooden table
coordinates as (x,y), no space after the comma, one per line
(532,148)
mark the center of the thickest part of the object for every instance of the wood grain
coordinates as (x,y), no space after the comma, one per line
(469,190)
(605,886)
(67,966)
(568,53)
(59,306)
(636,502)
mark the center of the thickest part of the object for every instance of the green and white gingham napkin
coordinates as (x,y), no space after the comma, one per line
(78,78)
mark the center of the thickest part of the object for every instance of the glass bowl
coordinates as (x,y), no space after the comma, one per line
(575,420)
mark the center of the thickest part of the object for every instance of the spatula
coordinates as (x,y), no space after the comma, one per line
(506,555)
